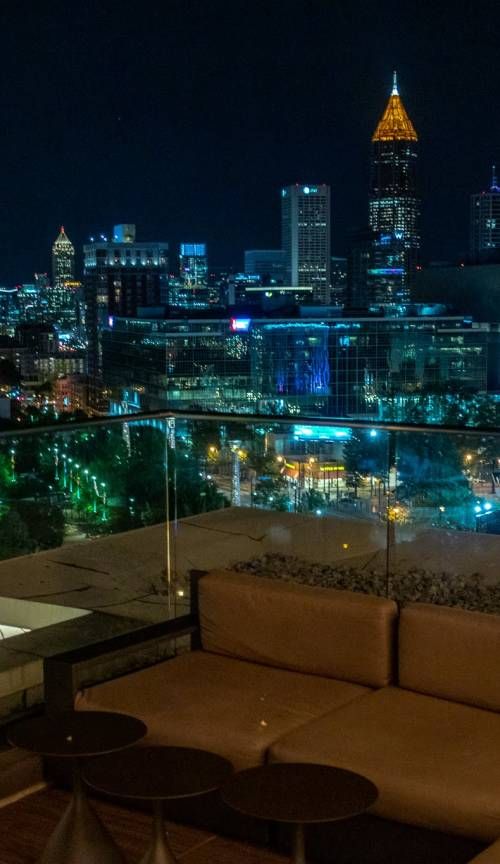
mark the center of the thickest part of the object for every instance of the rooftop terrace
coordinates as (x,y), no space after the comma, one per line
(115,515)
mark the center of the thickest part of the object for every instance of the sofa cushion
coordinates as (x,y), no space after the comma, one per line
(435,763)
(321,631)
(231,707)
(450,653)
(491,855)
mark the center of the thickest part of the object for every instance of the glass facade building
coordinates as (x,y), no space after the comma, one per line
(363,367)
(394,206)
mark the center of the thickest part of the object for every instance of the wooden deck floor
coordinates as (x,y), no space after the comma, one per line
(26,824)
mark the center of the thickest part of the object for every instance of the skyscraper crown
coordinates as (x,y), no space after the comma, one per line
(395,125)
(62,241)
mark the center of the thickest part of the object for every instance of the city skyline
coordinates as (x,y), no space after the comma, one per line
(190,123)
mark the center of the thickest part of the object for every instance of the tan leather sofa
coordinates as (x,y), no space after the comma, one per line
(292,673)
(431,744)
(491,855)
(268,664)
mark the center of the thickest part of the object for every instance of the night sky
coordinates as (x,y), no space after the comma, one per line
(186,116)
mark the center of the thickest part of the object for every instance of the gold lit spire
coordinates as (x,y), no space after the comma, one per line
(395,124)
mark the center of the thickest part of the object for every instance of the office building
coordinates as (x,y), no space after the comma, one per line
(371,368)
(121,277)
(359,263)
(338,276)
(190,290)
(62,293)
(393,206)
(305,229)
(192,362)
(9,310)
(269,264)
(70,392)
(485,224)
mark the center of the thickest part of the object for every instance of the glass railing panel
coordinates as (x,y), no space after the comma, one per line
(65,487)
(285,500)
(444,518)
(85,544)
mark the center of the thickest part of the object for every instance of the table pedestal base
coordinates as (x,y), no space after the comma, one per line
(159,852)
(80,836)
(298,845)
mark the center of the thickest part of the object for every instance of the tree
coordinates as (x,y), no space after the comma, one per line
(312,500)
(204,434)
(366,452)
(14,536)
(430,467)
(44,523)
(271,487)
(145,476)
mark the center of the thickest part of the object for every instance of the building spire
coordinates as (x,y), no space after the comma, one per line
(494,179)
(395,125)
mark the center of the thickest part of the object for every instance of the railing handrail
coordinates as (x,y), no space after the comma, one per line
(246,419)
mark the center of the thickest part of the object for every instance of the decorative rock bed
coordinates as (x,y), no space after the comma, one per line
(416,585)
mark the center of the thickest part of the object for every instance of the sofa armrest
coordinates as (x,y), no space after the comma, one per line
(66,673)
(491,855)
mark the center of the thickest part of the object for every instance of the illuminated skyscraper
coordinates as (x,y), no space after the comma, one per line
(485,223)
(62,301)
(122,277)
(63,260)
(192,291)
(394,206)
(305,231)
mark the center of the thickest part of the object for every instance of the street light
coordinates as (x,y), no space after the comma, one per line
(103,487)
(482,509)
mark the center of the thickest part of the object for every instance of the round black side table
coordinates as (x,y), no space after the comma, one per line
(299,793)
(80,836)
(158,774)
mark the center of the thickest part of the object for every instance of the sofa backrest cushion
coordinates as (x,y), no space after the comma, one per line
(450,653)
(322,631)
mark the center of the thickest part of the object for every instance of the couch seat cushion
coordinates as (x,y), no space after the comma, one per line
(436,763)
(231,707)
(491,855)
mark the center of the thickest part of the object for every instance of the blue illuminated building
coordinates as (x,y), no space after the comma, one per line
(373,368)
